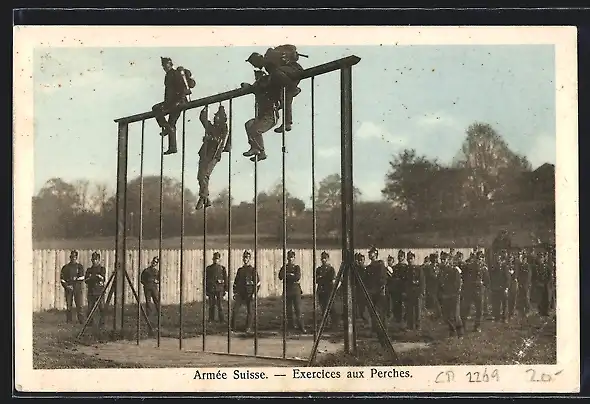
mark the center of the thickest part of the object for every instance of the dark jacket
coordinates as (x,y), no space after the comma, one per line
(416,283)
(72,274)
(293,277)
(214,136)
(449,280)
(324,278)
(500,274)
(95,278)
(246,280)
(174,87)
(475,273)
(376,275)
(150,276)
(216,279)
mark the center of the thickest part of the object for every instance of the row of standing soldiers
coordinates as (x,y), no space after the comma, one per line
(453,287)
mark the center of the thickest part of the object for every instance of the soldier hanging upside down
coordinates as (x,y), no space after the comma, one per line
(281,63)
(215,142)
(177,85)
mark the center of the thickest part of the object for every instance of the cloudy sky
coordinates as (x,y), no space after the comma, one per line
(420,97)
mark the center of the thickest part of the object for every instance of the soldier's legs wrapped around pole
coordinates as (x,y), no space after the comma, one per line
(206,166)
(160,113)
(256,127)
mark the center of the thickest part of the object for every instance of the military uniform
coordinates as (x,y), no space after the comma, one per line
(545,281)
(398,294)
(430,276)
(376,284)
(450,283)
(524,284)
(294,292)
(217,286)
(71,278)
(475,278)
(150,279)
(214,143)
(175,95)
(244,288)
(267,96)
(513,286)
(415,290)
(324,279)
(95,278)
(361,301)
(501,279)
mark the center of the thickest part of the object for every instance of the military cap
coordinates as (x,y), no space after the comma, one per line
(221,113)
(401,252)
(165,60)
(291,253)
(253,56)
(459,253)
(216,255)
(357,255)
(95,255)
(325,254)
(246,253)
(410,254)
(155,260)
(361,256)
(373,249)
(444,254)
(432,255)
(74,253)
(390,257)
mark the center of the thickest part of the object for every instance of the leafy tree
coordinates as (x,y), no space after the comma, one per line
(490,164)
(328,195)
(408,180)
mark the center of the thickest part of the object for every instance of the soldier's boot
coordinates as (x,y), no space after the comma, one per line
(252,152)
(287,127)
(261,156)
(203,202)
(165,130)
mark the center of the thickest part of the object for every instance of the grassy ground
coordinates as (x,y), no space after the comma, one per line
(54,344)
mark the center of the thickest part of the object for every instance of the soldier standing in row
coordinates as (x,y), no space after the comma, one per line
(401,275)
(500,277)
(215,142)
(376,284)
(450,292)
(324,279)
(361,301)
(512,283)
(544,283)
(291,274)
(94,278)
(217,286)
(475,279)
(431,276)
(150,279)
(177,85)
(245,283)
(524,282)
(71,278)
(415,290)
(391,286)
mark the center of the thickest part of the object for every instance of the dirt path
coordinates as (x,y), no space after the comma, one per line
(147,354)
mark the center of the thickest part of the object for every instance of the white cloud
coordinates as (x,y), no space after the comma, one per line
(329,152)
(370,130)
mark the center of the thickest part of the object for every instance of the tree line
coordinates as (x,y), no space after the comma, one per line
(418,194)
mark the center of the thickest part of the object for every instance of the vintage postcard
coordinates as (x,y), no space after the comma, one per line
(296,209)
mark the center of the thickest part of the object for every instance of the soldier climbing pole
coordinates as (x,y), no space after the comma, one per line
(347,275)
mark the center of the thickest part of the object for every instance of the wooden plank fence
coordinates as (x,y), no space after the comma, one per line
(48,293)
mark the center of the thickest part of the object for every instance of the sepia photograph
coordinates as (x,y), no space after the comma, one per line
(321,209)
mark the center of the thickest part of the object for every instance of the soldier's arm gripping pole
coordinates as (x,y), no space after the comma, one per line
(316,342)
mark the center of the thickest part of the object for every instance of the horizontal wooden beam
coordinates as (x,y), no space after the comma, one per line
(240,92)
